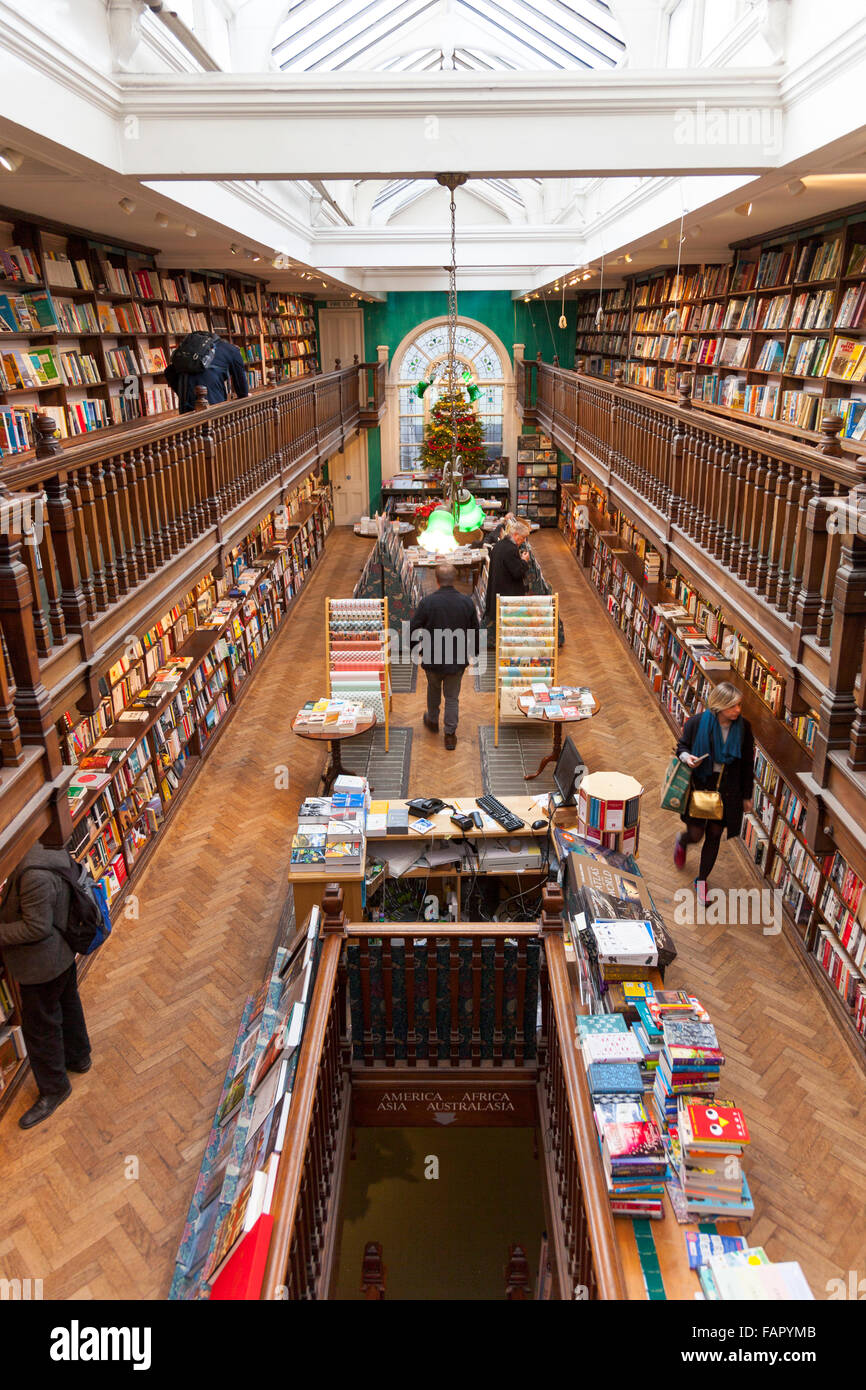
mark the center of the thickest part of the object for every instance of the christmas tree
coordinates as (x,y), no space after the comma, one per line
(438,447)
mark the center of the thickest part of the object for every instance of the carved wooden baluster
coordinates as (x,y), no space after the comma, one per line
(82,550)
(676,470)
(116,536)
(712,494)
(32,705)
(739,464)
(476,1001)
(764,540)
(86,486)
(498,993)
(124,483)
(411,1021)
(155,510)
(41,630)
(61,522)
(100,507)
(705,479)
(745,510)
(689,509)
(51,576)
(758,497)
(824,620)
(777,525)
(432,1001)
(178,450)
(790,567)
(814,558)
(838,710)
(165,476)
(454,1001)
(11,748)
(199,479)
(139,501)
(721,536)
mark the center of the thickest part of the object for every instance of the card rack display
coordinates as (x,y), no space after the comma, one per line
(779,334)
(526,650)
(357,646)
(87,329)
(537,479)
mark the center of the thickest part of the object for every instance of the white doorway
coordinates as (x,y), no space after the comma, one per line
(348,473)
(341,335)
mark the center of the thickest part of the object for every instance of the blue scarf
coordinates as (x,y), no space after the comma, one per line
(708,739)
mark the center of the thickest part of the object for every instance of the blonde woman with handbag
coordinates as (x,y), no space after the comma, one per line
(719,748)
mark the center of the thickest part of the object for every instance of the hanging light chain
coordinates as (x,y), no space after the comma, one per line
(453,182)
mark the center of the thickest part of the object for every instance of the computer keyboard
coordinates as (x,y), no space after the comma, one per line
(501,814)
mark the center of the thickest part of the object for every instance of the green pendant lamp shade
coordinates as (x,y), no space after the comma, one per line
(438,535)
(469,514)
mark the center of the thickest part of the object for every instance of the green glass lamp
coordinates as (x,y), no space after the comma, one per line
(469,515)
(438,535)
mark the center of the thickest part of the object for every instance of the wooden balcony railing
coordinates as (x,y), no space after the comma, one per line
(469,1030)
(779,525)
(436,996)
(99,535)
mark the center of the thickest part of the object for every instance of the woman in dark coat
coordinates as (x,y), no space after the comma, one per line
(509,566)
(719,748)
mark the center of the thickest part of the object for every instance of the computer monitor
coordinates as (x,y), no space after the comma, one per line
(569,772)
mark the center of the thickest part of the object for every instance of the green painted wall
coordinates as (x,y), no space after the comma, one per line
(533,324)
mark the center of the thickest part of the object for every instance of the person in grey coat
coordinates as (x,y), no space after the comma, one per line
(34,911)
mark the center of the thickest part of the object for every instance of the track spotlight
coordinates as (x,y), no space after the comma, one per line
(628,258)
(126,205)
(160,219)
(190,231)
(744,209)
(796,187)
(11,161)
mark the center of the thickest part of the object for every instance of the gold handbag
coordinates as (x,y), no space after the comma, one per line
(708,804)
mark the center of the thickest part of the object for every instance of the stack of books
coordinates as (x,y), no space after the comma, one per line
(684,1068)
(632,1147)
(308,851)
(745,1273)
(344,847)
(329,716)
(707,1153)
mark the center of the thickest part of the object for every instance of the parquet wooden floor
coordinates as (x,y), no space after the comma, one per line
(94,1200)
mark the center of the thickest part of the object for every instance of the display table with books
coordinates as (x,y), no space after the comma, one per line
(556,705)
(332,721)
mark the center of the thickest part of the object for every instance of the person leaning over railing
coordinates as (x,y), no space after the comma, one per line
(719,748)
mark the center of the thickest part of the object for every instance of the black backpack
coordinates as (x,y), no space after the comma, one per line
(194,353)
(89,921)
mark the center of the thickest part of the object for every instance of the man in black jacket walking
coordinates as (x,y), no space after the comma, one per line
(226,365)
(444,634)
(34,913)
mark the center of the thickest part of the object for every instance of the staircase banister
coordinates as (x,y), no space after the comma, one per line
(290,1171)
(602,1235)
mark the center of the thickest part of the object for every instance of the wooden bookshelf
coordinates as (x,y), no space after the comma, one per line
(778,335)
(87,328)
(117,826)
(537,489)
(823,899)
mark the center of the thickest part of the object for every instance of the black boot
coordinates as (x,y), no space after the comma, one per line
(45,1106)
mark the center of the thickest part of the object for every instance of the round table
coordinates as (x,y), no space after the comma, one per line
(335,738)
(553,755)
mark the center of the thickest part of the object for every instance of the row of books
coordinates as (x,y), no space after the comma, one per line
(225,1243)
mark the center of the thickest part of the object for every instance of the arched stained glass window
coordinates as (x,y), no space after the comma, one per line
(429,354)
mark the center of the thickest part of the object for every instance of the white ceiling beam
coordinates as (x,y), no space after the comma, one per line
(373,125)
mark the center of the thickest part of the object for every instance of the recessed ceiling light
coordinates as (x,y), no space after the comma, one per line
(160,219)
(126,205)
(796,187)
(190,231)
(11,161)
(587,275)
(234,248)
(744,209)
(628,258)
(663,244)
